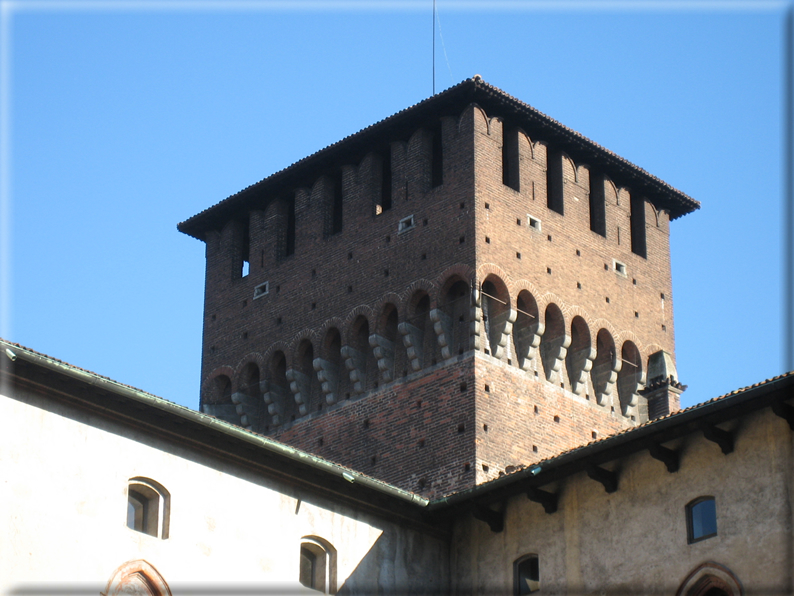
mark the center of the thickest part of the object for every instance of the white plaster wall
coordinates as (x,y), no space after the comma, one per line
(635,540)
(64,498)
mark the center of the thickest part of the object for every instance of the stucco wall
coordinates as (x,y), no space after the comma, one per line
(635,540)
(65,476)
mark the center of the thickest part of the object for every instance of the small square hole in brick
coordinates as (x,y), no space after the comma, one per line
(535,448)
(536,410)
(373,460)
(366,423)
(424,256)
(578,285)
(278,320)
(314,305)
(487,388)
(320,441)
(463,205)
(424,222)
(388,238)
(485,427)
(314,272)
(556,419)
(278,289)
(634,281)
(349,289)
(518,221)
(661,296)
(587,396)
(636,315)
(386,273)
(548,237)
(245,335)
(664,327)
(594,434)
(487,240)
(518,255)
(245,303)
(461,428)
(466,467)
(607,299)
(463,387)
(212,349)
(578,253)
(462,239)
(419,403)
(349,256)
(421,443)
(606,267)
(487,205)
(214,317)
(485,467)
(548,270)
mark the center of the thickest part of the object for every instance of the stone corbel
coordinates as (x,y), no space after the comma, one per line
(328,375)
(246,406)
(300,386)
(476,326)
(356,364)
(581,363)
(383,349)
(504,336)
(274,396)
(553,352)
(526,343)
(442,325)
(604,378)
(412,340)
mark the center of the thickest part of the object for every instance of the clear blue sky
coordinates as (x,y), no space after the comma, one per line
(123,119)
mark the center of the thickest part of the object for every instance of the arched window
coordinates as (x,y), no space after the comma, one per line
(318,564)
(701,519)
(526,574)
(148,507)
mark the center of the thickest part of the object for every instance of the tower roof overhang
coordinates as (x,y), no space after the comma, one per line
(402,124)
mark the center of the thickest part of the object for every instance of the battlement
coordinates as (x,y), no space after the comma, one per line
(442,282)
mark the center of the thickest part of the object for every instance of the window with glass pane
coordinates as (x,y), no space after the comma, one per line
(701,519)
(527,575)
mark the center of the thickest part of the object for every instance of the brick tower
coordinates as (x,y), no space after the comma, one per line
(461,288)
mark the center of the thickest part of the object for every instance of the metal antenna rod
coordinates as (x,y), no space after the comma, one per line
(434,46)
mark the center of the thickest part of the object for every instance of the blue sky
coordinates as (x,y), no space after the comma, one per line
(123,118)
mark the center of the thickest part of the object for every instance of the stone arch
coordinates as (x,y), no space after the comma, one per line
(710,579)
(488,269)
(361,310)
(216,395)
(277,346)
(408,296)
(459,270)
(554,343)
(498,315)
(580,356)
(584,179)
(527,330)
(136,577)
(606,366)
(610,187)
(629,377)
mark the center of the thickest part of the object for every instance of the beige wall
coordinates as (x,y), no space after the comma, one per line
(64,498)
(635,540)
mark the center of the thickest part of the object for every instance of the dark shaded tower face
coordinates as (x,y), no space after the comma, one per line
(464,287)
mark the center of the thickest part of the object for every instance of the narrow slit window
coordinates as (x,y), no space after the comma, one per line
(638,245)
(437,159)
(598,221)
(510,163)
(385,183)
(554,199)
(289,237)
(336,206)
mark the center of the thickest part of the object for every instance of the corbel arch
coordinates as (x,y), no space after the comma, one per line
(136,577)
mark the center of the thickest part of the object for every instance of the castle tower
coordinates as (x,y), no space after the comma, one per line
(461,288)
